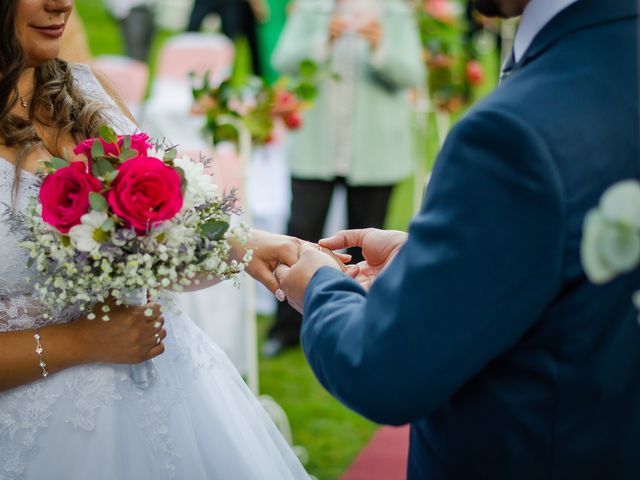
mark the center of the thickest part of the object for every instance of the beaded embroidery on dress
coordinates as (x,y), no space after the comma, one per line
(198,422)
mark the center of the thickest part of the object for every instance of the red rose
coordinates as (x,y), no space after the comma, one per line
(293,121)
(474,72)
(145,193)
(64,195)
(139,143)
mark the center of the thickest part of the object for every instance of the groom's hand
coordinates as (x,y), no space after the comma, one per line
(379,247)
(294,280)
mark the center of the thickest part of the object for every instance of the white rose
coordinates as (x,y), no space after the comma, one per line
(608,247)
(621,203)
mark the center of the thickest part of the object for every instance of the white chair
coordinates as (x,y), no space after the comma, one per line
(129,77)
(166,111)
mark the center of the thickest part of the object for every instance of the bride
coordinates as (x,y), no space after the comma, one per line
(70,410)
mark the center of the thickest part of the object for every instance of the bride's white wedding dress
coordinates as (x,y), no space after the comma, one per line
(199,421)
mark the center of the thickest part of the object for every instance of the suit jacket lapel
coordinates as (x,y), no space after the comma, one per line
(580,15)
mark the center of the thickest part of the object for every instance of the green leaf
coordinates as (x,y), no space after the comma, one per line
(215,229)
(306,91)
(242,64)
(170,155)
(127,154)
(102,168)
(107,134)
(110,176)
(66,241)
(58,163)
(108,225)
(98,202)
(97,150)
(183,179)
(308,68)
(126,143)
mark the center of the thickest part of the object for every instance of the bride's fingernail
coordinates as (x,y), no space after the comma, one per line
(280,295)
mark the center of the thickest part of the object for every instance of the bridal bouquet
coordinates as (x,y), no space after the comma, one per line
(135,218)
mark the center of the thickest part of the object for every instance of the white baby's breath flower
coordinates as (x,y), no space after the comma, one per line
(88,236)
(200,186)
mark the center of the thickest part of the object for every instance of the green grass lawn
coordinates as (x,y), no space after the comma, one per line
(331,433)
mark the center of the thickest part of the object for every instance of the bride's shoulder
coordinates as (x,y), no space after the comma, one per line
(96,85)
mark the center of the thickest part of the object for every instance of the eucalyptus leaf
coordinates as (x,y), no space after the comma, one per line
(215,230)
(107,134)
(126,143)
(102,167)
(108,225)
(97,149)
(111,176)
(98,202)
(170,155)
(58,163)
(127,154)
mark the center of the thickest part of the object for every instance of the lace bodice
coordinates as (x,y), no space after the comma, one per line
(18,310)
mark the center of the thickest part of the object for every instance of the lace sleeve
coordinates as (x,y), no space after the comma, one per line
(20,312)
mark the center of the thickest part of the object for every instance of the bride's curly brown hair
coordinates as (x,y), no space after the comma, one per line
(57,102)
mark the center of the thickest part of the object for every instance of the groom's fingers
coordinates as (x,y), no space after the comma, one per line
(344,239)
(280,273)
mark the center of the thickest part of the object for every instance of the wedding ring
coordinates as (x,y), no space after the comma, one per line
(157,324)
(157,335)
(280,295)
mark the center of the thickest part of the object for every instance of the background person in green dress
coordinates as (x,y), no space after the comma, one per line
(358,132)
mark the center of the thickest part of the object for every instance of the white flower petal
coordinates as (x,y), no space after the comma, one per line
(594,267)
(621,203)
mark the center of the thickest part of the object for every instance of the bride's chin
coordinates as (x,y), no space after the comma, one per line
(35,59)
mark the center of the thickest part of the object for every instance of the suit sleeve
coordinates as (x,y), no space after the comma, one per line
(481,265)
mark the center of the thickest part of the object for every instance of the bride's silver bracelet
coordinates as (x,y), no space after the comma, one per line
(40,353)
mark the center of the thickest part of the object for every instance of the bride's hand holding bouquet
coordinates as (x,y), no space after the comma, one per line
(131,222)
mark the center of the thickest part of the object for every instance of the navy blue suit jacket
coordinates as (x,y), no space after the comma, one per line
(484,332)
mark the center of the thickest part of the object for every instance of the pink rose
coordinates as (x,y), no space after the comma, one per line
(139,143)
(145,193)
(64,195)
(442,10)
(285,102)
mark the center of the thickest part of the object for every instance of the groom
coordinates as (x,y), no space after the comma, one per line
(480,328)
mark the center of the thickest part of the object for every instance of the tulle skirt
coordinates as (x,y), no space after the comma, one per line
(199,421)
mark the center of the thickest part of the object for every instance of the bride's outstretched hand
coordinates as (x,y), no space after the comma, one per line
(293,280)
(269,250)
(379,247)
